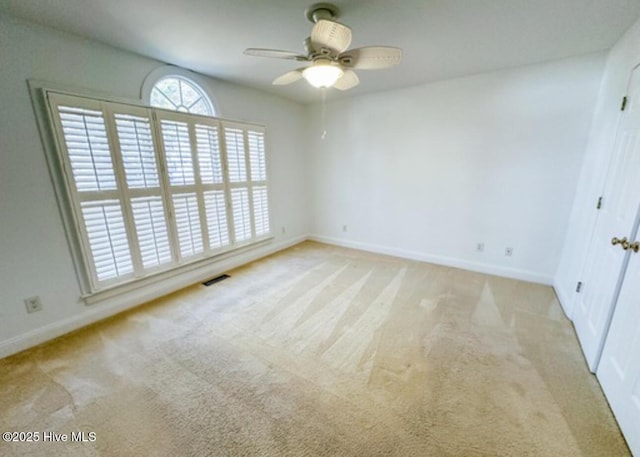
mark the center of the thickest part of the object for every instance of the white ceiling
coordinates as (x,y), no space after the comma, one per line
(441,38)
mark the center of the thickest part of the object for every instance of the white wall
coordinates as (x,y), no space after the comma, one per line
(622,58)
(429,171)
(34,255)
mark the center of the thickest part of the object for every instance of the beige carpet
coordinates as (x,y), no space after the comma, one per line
(319,351)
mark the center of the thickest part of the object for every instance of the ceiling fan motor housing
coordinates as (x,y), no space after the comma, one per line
(319,11)
(315,53)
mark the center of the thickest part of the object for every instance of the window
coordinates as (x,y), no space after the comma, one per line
(154,189)
(178,93)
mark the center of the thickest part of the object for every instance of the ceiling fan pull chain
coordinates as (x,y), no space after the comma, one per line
(324,113)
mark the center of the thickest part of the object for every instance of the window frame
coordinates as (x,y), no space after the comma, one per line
(168,71)
(68,200)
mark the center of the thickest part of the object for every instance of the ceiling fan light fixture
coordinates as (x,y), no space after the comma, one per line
(322,74)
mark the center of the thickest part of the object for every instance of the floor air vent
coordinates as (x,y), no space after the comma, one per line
(215,280)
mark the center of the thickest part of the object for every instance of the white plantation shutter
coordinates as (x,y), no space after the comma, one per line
(243,147)
(258,161)
(141,188)
(236,155)
(142,185)
(261,210)
(212,174)
(87,156)
(151,230)
(87,146)
(186,197)
(241,213)
(257,157)
(152,189)
(137,150)
(216,209)
(209,154)
(187,220)
(107,238)
(177,152)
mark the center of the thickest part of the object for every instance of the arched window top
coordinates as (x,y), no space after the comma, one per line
(180,94)
(176,89)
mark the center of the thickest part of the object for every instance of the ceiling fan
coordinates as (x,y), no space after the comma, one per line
(331,64)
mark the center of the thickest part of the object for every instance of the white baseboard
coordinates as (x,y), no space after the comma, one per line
(486,268)
(110,307)
(563,298)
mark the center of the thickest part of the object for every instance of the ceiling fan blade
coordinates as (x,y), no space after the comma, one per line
(274,53)
(348,80)
(331,35)
(288,78)
(371,57)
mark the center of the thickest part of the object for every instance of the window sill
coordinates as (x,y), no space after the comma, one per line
(154,278)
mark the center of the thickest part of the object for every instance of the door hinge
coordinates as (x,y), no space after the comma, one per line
(599,205)
(579,286)
(624,103)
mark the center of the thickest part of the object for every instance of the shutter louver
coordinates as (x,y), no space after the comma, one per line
(88,151)
(236,163)
(241,213)
(177,151)
(261,210)
(107,239)
(151,229)
(209,158)
(137,150)
(257,156)
(187,219)
(216,211)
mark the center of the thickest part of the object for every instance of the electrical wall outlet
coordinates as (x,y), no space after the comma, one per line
(480,247)
(284,230)
(33,304)
(344,228)
(508,252)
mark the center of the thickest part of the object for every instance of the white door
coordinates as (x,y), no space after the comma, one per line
(605,261)
(619,368)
